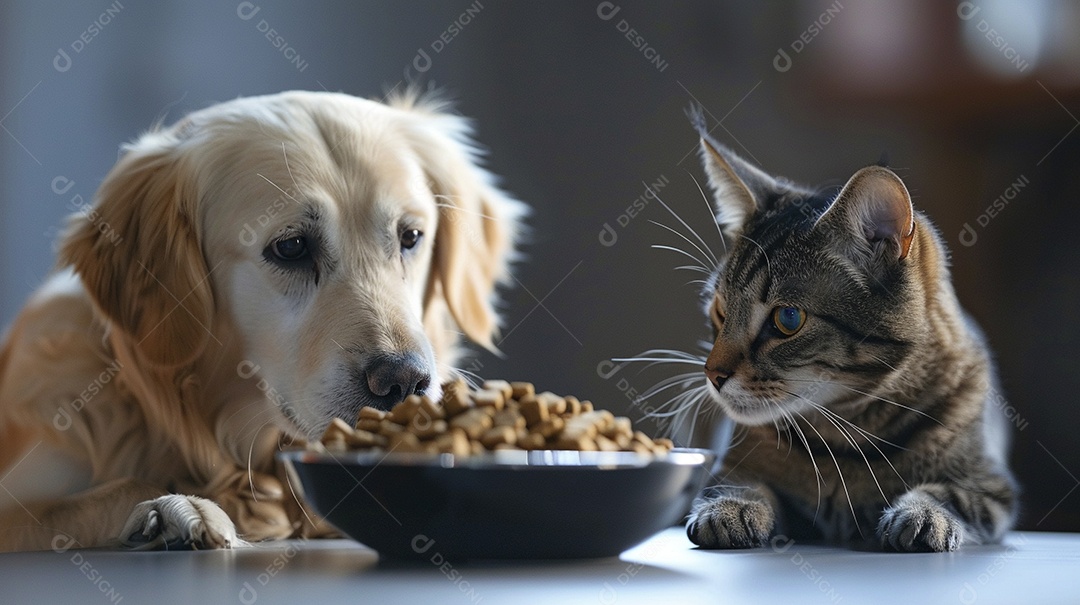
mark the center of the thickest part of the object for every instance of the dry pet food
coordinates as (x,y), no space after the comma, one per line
(500,415)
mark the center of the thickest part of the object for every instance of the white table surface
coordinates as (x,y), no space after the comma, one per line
(1028,568)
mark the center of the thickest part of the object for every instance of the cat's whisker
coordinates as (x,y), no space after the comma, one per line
(673,353)
(684,377)
(779,426)
(661,387)
(864,432)
(715,261)
(707,254)
(660,360)
(884,363)
(680,251)
(783,423)
(739,435)
(900,378)
(890,402)
(768,264)
(868,435)
(851,441)
(694,268)
(712,213)
(678,405)
(865,394)
(839,472)
(688,404)
(819,479)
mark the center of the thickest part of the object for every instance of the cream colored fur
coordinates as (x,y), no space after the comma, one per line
(146,387)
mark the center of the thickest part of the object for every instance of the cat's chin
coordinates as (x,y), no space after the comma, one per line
(753,416)
(751,410)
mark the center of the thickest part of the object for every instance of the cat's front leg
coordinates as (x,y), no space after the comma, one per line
(919,522)
(732,517)
(940,517)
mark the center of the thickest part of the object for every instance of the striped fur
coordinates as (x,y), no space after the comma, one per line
(870,426)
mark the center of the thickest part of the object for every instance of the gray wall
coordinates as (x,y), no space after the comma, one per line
(577,118)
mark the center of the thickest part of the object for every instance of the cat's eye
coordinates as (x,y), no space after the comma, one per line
(788,320)
(716,316)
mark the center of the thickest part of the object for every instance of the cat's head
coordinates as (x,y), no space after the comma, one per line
(816,301)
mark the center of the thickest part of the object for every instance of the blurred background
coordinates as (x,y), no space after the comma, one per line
(581,105)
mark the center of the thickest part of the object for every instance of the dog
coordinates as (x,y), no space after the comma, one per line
(245,276)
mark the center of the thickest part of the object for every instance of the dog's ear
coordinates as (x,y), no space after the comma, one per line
(137,252)
(479,225)
(472,246)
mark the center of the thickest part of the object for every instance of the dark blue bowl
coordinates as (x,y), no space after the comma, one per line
(502,505)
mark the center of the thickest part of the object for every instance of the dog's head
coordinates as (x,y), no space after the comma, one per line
(346,242)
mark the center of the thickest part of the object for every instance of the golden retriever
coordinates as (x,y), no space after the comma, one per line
(257,269)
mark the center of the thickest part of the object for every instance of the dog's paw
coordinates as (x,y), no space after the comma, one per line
(176,521)
(917,522)
(729,522)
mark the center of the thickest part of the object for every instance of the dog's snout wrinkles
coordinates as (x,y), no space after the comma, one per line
(392,378)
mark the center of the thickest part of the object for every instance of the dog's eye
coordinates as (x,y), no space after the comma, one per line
(290,248)
(410,237)
(291,252)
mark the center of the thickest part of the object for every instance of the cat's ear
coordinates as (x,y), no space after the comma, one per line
(739,188)
(874,210)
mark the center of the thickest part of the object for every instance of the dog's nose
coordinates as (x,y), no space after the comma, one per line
(392,378)
(716,376)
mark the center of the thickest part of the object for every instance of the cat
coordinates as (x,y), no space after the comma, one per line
(859,386)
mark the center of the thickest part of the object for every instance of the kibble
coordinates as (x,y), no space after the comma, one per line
(501,415)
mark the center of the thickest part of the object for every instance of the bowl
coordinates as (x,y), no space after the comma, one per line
(500,505)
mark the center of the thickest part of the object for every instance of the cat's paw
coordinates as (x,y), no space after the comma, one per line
(176,521)
(917,522)
(730,522)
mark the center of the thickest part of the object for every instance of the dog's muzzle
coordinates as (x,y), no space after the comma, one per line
(392,378)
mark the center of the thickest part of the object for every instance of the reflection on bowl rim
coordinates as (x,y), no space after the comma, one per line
(506,459)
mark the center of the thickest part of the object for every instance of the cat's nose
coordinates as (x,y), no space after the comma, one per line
(716,376)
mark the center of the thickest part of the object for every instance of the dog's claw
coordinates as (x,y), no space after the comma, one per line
(176,521)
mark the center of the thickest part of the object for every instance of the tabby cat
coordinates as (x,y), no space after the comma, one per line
(861,390)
